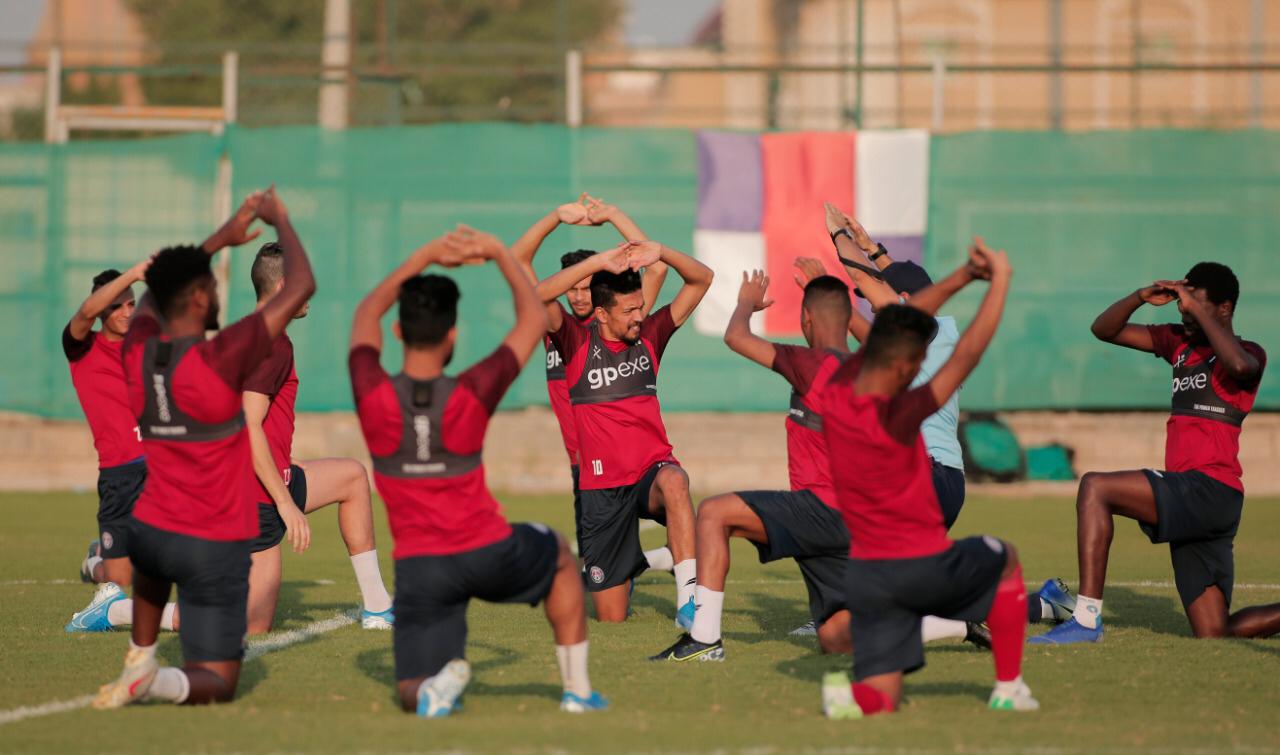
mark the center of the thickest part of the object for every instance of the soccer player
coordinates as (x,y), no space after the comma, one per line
(902,565)
(194,520)
(1194,503)
(425,431)
(628,469)
(593,213)
(287,491)
(98,377)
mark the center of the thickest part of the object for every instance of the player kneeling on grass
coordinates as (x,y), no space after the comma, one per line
(902,565)
(425,432)
(192,524)
(287,491)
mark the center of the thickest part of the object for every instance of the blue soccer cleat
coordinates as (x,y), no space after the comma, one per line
(94,617)
(1069,632)
(571,703)
(1055,594)
(438,696)
(684,617)
(378,619)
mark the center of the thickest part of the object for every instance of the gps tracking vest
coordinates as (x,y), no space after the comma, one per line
(422,453)
(161,418)
(1193,393)
(800,412)
(555,362)
(609,376)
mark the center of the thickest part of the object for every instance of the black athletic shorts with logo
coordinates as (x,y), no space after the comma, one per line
(800,526)
(1198,517)
(212,577)
(118,489)
(576,473)
(609,531)
(948,485)
(432,593)
(887,598)
(271,529)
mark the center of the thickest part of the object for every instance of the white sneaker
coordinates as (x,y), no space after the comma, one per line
(438,696)
(140,669)
(1019,700)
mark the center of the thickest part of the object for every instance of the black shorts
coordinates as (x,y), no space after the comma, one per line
(1198,517)
(432,593)
(212,577)
(948,484)
(800,526)
(575,472)
(609,532)
(887,599)
(271,529)
(118,489)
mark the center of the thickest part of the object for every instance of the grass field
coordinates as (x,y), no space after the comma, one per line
(1148,687)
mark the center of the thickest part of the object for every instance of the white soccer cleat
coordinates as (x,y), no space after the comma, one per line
(438,696)
(378,619)
(1019,700)
(140,669)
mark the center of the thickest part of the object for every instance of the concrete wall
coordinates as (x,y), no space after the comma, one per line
(721,451)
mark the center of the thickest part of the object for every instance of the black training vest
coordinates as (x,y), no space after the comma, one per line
(422,453)
(161,418)
(555,362)
(800,412)
(607,376)
(1193,393)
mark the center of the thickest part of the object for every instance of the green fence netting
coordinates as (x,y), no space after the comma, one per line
(1086,217)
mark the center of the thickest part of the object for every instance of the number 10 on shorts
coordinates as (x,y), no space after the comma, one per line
(597,467)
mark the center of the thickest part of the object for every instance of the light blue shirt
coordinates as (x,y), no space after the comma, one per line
(940,429)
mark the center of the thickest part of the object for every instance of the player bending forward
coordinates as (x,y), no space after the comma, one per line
(287,491)
(628,470)
(1195,503)
(425,432)
(193,522)
(902,565)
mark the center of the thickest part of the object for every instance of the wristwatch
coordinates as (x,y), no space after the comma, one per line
(878,253)
(841,232)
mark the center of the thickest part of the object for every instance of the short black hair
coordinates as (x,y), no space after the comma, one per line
(569,259)
(828,293)
(428,309)
(898,330)
(105,277)
(268,268)
(174,274)
(1218,281)
(605,286)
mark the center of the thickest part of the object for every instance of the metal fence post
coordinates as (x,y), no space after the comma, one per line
(573,88)
(939,91)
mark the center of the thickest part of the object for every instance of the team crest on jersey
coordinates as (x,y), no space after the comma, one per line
(107,541)
(596,574)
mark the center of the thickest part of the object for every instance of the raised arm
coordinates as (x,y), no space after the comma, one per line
(366,324)
(753,296)
(1113,324)
(297,530)
(697,276)
(101,300)
(977,336)
(977,267)
(299,282)
(654,275)
(551,288)
(842,225)
(1240,365)
(808,268)
(531,317)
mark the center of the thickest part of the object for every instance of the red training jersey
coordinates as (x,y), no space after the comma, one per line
(277,378)
(613,387)
(425,437)
(884,485)
(200,479)
(807,370)
(1208,406)
(558,392)
(98,376)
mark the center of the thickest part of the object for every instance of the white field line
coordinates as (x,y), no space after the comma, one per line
(43,582)
(257,648)
(1154,584)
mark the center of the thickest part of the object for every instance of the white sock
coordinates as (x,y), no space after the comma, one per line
(149,649)
(933,628)
(120,613)
(1009,688)
(166,616)
(92,562)
(1088,611)
(660,559)
(369,577)
(686,578)
(706,622)
(170,685)
(1046,610)
(573,668)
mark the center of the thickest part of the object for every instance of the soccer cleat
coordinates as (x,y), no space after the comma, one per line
(94,616)
(977,633)
(1068,633)
(807,629)
(86,570)
(684,617)
(378,619)
(1021,699)
(438,696)
(140,669)
(837,697)
(571,703)
(689,649)
(1055,594)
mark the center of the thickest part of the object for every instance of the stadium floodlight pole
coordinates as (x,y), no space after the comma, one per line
(939,91)
(53,97)
(573,88)
(335,64)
